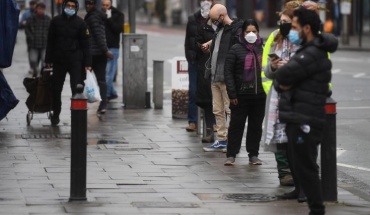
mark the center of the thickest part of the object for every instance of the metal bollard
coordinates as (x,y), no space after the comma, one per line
(329,154)
(78,145)
(158,84)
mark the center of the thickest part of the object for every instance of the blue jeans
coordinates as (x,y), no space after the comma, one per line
(192,107)
(111,71)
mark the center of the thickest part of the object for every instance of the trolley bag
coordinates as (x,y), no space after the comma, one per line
(9,14)
(8,101)
(40,98)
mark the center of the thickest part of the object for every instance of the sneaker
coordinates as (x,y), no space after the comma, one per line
(230,161)
(255,161)
(217,146)
(286,180)
(191,127)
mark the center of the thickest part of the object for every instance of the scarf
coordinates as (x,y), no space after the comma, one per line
(252,60)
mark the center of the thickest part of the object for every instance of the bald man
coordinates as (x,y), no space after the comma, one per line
(113,30)
(226,35)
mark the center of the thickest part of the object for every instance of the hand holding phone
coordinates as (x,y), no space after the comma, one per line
(273,55)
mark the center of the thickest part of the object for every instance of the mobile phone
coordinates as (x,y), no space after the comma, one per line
(273,55)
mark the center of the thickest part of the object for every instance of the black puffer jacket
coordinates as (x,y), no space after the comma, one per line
(234,71)
(68,40)
(95,20)
(203,93)
(194,22)
(308,72)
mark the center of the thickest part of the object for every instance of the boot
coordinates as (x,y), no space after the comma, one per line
(210,137)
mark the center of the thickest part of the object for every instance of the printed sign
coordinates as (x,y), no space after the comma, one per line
(180,87)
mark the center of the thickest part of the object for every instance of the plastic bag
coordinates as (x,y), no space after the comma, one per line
(91,89)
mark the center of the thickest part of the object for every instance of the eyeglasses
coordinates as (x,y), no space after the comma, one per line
(89,2)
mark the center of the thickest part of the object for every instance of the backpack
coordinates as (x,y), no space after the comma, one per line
(9,13)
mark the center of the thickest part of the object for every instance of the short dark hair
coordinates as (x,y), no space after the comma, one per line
(40,4)
(308,17)
(33,2)
(249,22)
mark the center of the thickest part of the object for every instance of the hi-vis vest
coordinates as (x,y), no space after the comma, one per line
(266,82)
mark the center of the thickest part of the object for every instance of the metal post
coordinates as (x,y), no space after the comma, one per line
(131,14)
(52,8)
(158,84)
(329,154)
(78,146)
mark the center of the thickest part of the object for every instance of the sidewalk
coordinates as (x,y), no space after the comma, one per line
(149,164)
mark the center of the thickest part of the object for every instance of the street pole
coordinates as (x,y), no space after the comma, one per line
(78,146)
(131,14)
(329,154)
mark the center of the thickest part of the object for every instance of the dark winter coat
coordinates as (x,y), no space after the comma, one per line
(68,40)
(203,93)
(234,71)
(191,48)
(37,31)
(95,20)
(113,28)
(229,38)
(308,72)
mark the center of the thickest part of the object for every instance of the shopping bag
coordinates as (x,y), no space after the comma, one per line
(91,89)
(9,13)
(8,101)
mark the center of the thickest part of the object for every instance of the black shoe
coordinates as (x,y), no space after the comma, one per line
(112,97)
(54,120)
(291,195)
(301,197)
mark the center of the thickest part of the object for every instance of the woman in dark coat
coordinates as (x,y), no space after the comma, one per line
(203,92)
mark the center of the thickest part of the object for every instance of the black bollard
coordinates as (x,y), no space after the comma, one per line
(78,145)
(329,154)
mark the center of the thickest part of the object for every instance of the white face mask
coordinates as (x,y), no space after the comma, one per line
(205,7)
(250,37)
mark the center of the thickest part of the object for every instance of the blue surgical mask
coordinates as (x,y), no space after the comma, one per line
(69,12)
(294,37)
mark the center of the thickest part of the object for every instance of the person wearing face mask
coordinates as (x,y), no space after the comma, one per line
(67,51)
(113,30)
(227,33)
(247,97)
(203,92)
(194,22)
(303,83)
(280,45)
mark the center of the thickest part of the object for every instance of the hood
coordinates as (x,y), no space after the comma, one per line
(237,23)
(64,6)
(327,42)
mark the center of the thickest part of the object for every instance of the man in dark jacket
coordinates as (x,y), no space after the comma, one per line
(226,35)
(113,30)
(191,47)
(304,82)
(95,20)
(67,50)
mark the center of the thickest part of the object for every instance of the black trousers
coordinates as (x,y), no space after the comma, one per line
(254,110)
(99,63)
(59,75)
(302,154)
(209,117)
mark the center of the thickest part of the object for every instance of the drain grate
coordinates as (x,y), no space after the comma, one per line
(250,197)
(44,136)
(112,142)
